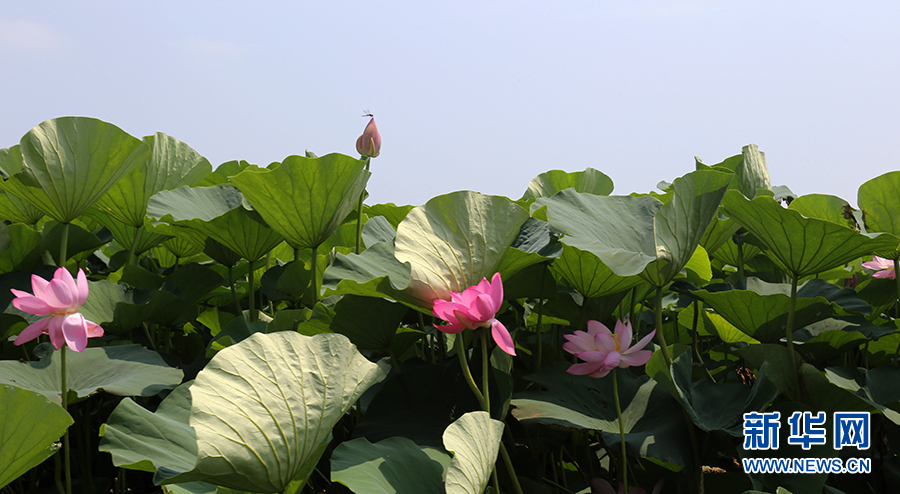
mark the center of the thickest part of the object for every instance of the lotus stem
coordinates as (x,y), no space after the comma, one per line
(464,364)
(63,246)
(252,302)
(624,475)
(134,242)
(65,404)
(660,334)
(538,351)
(485,367)
(789,328)
(313,274)
(234,297)
(897,279)
(359,208)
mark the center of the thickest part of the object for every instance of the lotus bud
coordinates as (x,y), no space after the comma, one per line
(369,143)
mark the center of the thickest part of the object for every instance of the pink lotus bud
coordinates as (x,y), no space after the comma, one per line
(369,143)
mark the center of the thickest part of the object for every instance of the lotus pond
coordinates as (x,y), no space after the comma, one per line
(173,327)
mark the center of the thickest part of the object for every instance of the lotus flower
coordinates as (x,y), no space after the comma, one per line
(473,308)
(603,351)
(369,143)
(59,298)
(884,267)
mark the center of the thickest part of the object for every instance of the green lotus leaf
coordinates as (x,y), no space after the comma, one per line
(394,465)
(223,172)
(761,310)
(171,164)
(879,201)
(375,272)
(589,181)
(456,240)
(582,402)
(802,246)
(376,230)
(126,235)
(718,233)
(718,405)
(255,419)
(823,207)
(79,240)
(587,273)
(877,386)
(640,235)
(71,162)
(474,440)
(127,370)
(369,322)
(305,199)
(391,212)
(11,207)
(31,426)
(21,246)
(216,212)
(750,170)
(681,223)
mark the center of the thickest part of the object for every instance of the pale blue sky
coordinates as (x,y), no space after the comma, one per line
(477,95)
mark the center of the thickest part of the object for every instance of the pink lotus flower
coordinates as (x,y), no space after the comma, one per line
(369,143)
(475,308)
(884,267)
(601,486)
(603,351)
(59,298)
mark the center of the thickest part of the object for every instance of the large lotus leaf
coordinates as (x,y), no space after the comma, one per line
(474,440)
(761,310)
(253,419)
(617,229)
(126,235)
(582,402)
(395,465)
(420,403)
(223,172)
(305,199)
(374,272)
(10,161)
(456,240)
(216,212)
(718,233)
(823,207)
(369,322)
(11,207)
(79,240)
(20,247)
(800,245)
(750,170)
(629,234)
(31,426)
(681,223)
(377,230)
(171,164)
(589,181)
(719,406)
(877,386)
(70,162)
(879,201)
(127,370)
(391,212)
(587,273)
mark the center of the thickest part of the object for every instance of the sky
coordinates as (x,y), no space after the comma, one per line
(477,95)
